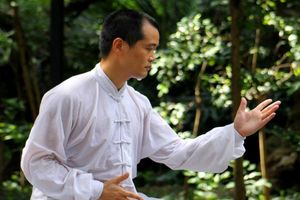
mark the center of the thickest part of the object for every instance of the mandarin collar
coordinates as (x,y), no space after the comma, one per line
(108,85)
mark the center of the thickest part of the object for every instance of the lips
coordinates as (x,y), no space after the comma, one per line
(148,67)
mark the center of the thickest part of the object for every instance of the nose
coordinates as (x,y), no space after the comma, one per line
(152,58)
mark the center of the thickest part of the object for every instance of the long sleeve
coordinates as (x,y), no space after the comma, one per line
(210,152)
(44,157)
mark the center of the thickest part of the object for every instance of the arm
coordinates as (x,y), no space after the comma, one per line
(44,157)
(213,150)
(209,152)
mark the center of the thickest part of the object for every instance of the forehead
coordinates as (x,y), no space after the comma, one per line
(151,34)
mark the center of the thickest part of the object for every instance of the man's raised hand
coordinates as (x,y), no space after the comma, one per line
(248,122)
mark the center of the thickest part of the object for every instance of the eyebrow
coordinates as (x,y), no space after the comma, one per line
(152,45)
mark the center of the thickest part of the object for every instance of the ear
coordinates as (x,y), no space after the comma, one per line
(118,45)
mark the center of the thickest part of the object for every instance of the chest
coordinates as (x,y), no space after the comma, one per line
(103,123)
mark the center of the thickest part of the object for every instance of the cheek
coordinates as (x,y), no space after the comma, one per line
(140,57)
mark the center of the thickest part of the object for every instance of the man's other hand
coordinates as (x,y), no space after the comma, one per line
(113,191)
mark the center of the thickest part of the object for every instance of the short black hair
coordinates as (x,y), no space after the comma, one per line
(125,24)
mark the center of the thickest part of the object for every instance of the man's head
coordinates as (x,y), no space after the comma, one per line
(124,24)
(128,42)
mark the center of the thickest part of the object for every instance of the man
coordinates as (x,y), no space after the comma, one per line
(93,129)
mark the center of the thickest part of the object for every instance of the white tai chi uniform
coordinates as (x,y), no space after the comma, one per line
(88,132)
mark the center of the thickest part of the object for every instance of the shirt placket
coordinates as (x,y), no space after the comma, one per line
(123,143)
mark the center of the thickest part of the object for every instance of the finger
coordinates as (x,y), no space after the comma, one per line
(268,111)
(276,103)
(263,104)
(133,195)
(243,105)
(271,106)
(267,119)
(119,179)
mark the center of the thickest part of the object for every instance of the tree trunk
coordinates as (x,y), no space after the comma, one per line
(29,75)
(198,100)
(240,193)
(1,160)
(263,162)
(197,119)
(261,134)
(256,46)
(295,115)
(56,45)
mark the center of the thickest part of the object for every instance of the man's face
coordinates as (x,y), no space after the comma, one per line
(140,56)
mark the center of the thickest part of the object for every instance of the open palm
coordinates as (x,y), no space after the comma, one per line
(248,122)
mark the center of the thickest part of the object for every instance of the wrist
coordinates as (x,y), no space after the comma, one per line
(97,189)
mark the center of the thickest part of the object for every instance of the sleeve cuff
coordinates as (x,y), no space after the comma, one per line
(238,137)
(239,148)
(97,188)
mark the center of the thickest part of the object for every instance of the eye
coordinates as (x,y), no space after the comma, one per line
(149,49)
(153,49)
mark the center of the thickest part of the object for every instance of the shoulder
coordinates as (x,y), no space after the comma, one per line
(69,91)
(74,85)
(139,98)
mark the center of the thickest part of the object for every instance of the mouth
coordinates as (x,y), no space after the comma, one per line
(148,67)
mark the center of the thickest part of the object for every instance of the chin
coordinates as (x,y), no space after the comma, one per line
(140,77)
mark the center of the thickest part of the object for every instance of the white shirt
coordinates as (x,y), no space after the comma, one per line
(88,132)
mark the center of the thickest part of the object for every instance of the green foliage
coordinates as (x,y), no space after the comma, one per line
(11,189)
(206,184)
(81,43)
(292,137)
(209,186)
(157,183)
(173,113)
(288,195)
(16,133)
(265,81)
(287,29)
(218,85)
(35,33)
(276,73)
(199,43)
(195,42)
(11,108)
(12,133)
(6,45)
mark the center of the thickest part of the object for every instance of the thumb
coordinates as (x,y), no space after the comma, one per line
(243,105)
(117,180)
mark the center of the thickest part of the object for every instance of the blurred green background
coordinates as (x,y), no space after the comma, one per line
(211,53)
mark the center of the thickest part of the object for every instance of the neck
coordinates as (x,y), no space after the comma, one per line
(114,73)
